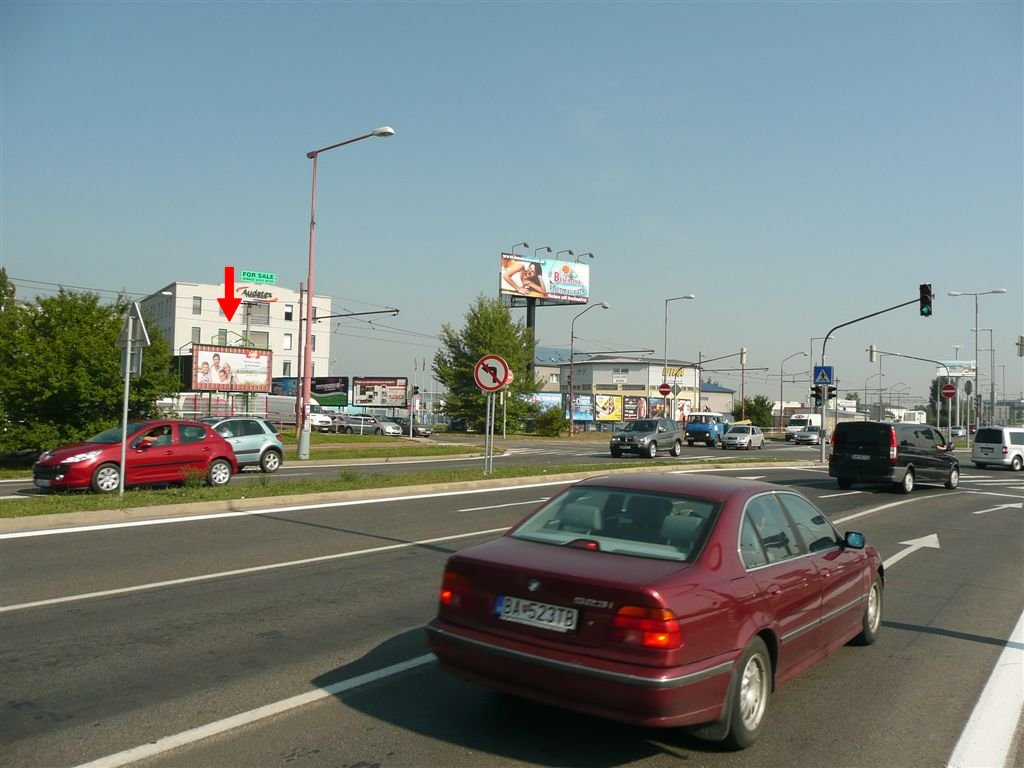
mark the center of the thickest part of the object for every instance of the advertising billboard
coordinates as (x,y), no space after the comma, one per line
(608,407)
(231,369)
(582,408)
(380,392)
(549,281)
(956,368)
(634,408)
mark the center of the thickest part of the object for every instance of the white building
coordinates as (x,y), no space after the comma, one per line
(268,318)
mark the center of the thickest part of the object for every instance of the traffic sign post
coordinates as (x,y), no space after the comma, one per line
(491,373)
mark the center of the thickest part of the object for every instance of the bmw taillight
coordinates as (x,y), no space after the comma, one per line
(894,451)
(454,590)
(647,627)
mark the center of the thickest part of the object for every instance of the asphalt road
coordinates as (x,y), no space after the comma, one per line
(294,636)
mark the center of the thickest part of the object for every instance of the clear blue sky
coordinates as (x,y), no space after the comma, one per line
(795,165)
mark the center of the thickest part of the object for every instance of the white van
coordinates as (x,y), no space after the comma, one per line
(799,422)
(999,447)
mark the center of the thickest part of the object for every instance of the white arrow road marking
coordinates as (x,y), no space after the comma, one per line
(931,541)
(998,507)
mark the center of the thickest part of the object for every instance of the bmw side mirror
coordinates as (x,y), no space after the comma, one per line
(854,540)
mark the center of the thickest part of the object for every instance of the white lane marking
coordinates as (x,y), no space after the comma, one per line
(931,541)
(271,511)
(243,571)
(844,493)
(998,507)
(988,735)
(840,520)
(752,477)
(174,741)
(503,506)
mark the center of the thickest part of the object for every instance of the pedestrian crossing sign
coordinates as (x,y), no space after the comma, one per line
(823,374)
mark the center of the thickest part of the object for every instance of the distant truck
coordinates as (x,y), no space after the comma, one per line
(706,427)
(281,410)
(798,422)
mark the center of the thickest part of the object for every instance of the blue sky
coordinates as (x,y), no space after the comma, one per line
(795,165)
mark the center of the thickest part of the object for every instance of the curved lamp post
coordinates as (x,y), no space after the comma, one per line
(977,391)
(512,250)
(588,253)
(664,370)
(307,342)
(572,351)
(782,416)
(565,251)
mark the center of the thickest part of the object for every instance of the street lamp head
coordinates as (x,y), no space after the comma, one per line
(998,290)
(542,248)
(604,305)
(384,130)
(517,245)
(588,253)
(565,251)
(954,293)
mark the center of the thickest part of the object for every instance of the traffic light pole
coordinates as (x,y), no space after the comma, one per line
(824,343)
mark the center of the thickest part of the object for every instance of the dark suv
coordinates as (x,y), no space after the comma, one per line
(880,452)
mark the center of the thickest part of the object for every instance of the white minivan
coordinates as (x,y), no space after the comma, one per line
(999,447)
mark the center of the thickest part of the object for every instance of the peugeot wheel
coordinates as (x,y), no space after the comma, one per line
(106,478)
(219,473)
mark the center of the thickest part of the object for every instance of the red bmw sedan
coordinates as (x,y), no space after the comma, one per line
(157,452)
(659,600)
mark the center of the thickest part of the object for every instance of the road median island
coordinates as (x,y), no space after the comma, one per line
(290,499)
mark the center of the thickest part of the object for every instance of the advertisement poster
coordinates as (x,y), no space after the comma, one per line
(546,400)
(583,408)
(559,282)
(609,407)
(634,408)
(683,408)
(380,392)
(231,369)
(657,407)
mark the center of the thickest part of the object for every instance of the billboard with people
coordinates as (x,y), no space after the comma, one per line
(231,369)
(548,281)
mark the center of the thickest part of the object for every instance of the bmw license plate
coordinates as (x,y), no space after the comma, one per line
(860,457)
(534,614)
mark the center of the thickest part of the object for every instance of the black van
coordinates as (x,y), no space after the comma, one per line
(880,452)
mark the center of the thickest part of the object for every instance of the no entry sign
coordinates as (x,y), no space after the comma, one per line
(948,390)
(664,389)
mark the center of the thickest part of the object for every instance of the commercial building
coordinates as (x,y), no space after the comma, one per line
(269,317)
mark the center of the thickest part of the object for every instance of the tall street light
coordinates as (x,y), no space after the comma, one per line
(664,369)
(572,352)
(307,342)
(977,392)
(781,374)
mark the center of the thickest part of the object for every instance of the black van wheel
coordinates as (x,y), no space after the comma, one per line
(907,484)
(845,483)
(954,478)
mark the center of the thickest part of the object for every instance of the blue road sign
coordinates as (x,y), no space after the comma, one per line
(823,374)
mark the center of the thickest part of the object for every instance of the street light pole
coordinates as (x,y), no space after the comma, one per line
(307,342)
(992,374)
(781,374)
(572,352)
(976,395)
(664,369)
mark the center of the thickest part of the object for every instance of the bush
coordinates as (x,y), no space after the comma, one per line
(551,423)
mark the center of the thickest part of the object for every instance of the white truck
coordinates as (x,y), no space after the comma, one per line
(800,421)
(281,410)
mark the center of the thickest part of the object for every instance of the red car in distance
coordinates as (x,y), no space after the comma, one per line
(659,600)
(156,453)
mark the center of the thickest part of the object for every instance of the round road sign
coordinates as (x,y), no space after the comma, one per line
(948,390)
(664,389)
(491,373)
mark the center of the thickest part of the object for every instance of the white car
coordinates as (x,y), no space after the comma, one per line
(808,436)
(745,436)
(999,447)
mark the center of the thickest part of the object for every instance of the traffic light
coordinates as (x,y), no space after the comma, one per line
(832,392)
(816,394)
(926,299)
(415,391)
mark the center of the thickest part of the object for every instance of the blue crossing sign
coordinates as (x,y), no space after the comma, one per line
(823,374)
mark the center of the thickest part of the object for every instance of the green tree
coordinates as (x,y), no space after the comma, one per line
(62,370)
(551,423)
(758,410)
(488,330)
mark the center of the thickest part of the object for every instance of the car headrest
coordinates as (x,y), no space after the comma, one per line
(680,531)
(579,518)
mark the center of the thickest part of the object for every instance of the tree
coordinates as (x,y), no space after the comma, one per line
(489,330)
(62,370)
(759,411)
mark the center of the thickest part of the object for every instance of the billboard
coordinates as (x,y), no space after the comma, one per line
(634,408)
(231,369)
(380,392)
(549,281)
(957,368)
(608,407)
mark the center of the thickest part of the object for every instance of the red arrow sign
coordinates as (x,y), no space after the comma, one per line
(229,303)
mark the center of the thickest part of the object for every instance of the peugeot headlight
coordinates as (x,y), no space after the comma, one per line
(81,457)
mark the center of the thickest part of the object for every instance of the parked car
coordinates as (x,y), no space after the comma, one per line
(156,453)
(365,424)
(880,452)
(645,437)
(810,435)
(745,436)
(958,432)
(418,430)
(654,599)
(999,447)
(255,441)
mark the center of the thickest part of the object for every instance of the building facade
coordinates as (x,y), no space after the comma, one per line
(269,317)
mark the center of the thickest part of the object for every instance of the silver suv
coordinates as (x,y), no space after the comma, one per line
(645,437)
(999,447)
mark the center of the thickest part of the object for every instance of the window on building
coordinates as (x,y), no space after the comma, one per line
(315,313)
(286,369)
(620,370)
(289,310)
(196,337)
(197,305)
(222,337)
(259,313)
(312,342)
(554,379)
(287,342)
(260,339)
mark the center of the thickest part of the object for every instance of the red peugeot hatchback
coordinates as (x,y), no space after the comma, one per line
(157,452)
(659,600)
